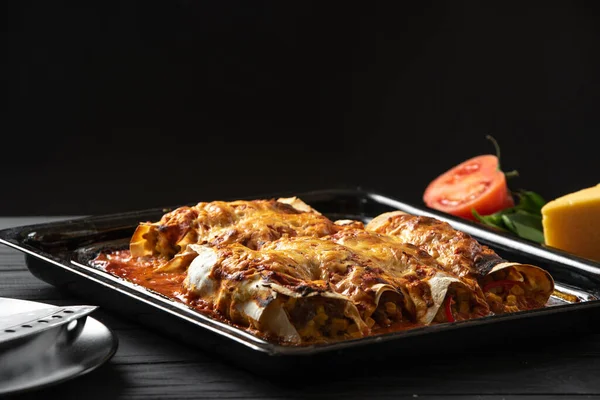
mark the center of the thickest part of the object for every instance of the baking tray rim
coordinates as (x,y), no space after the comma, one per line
(7,237)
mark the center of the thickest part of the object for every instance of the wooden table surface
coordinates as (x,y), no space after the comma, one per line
(148,365)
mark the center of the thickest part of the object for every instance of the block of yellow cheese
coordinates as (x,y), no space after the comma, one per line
(572,223)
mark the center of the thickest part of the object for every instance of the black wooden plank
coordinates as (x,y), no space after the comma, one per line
(20,284)
(144,357)
(215,381)
(11,259)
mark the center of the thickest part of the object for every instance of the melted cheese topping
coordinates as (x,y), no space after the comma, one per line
(251,223)
(416,267)
(285,272)
(460,254)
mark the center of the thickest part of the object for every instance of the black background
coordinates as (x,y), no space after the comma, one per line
(118,106)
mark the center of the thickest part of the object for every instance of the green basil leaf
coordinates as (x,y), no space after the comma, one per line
(494,220)
(525,225)
(509,224)
(530,201)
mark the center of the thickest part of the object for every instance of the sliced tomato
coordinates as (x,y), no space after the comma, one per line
(475,183)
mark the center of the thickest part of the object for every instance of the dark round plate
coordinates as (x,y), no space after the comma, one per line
(94,346)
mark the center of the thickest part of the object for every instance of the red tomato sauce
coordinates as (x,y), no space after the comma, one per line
(142,271)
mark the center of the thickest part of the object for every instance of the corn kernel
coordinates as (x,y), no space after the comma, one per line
(320,319)
(517,290)
(391,308)
(339,324)
(493,297)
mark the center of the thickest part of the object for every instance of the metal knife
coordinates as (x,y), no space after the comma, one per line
(23,324)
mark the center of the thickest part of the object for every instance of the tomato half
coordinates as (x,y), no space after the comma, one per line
(475,183)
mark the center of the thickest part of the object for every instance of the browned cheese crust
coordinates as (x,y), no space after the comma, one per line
(508,287)
(455,250)
(410,262)
(365,291)
(250,223)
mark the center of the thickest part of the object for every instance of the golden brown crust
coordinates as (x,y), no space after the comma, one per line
(386,287)
(251,223)
(455,250)
(406,261)
(461,254)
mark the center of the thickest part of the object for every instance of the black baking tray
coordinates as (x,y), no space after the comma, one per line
(58,253)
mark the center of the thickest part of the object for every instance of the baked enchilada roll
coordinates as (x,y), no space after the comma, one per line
(305,290)
(439,296)
(391,287)
(507,286)
(251,223)
(282,296)
(380,300)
